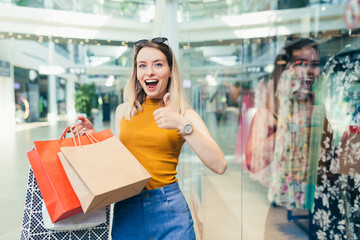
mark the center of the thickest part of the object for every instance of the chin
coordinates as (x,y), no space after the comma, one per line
(152,95)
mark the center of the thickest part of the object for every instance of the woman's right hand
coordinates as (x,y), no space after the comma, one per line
(82,127)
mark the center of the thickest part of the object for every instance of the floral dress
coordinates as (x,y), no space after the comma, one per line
(293,173)
(337,210)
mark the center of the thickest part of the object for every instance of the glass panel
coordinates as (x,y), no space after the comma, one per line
(282,102)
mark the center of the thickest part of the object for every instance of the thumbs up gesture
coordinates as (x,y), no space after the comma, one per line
(167,117)
(167,100)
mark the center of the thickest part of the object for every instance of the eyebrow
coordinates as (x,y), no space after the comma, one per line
(303,59)
(156,60)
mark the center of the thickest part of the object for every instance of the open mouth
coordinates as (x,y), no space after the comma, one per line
(307,83)
(151,83)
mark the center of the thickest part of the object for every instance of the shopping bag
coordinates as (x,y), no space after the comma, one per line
(56,190)
(33,226)
(109,172)
(76,222)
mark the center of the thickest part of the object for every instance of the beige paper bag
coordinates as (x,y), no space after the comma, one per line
(103,173)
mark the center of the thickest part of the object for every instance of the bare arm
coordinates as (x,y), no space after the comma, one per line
(199,140)
(260,147)
(204,145)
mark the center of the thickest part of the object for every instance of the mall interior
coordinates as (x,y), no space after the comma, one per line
(56,53)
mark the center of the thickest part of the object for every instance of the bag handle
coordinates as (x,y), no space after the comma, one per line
(73,136)
(89,136)
(64,134)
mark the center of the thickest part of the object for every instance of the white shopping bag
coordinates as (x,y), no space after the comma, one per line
(76,222)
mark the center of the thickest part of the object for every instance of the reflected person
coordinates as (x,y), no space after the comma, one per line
(281,144)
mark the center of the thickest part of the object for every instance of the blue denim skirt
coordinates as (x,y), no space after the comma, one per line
(159,214)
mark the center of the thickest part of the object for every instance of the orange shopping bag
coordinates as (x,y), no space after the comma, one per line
(56,190)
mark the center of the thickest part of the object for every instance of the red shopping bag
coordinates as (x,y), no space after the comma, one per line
(55,187)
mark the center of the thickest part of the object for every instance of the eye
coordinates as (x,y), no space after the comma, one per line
(142,66)
(158,65)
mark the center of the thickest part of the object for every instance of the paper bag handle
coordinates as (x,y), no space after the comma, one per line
(69,128)
(90,137)
(64,134)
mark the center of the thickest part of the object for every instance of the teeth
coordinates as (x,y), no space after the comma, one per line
(150,81)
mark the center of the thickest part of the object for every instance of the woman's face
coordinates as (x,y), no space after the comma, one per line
(307,68)
(152,72)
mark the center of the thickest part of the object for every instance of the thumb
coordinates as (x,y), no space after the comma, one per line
(81,118)
(167,100)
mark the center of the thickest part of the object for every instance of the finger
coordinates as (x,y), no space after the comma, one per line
(82,132)
(82,118)
(158,111)
(167,100)
(75,133)
(70,128)
(75,129)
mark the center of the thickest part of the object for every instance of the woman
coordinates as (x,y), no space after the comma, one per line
(153,123)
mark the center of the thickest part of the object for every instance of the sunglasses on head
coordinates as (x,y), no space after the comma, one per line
(157,40)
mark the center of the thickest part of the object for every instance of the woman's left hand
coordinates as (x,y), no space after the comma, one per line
(166,117)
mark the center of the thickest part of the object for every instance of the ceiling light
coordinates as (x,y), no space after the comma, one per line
(110,81)
(51,69)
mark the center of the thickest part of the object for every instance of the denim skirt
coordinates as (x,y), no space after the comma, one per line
(159,214)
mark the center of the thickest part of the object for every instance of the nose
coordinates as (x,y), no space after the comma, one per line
(313,71)
(310,70)
(150,71)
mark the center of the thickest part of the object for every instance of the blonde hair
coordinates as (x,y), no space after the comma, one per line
(135,95)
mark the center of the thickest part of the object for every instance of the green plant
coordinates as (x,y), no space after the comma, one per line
(86,99)
(23,3)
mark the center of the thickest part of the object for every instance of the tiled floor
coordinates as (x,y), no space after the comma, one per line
(232,206)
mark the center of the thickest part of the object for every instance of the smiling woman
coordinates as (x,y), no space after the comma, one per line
(153,123)
(153,72)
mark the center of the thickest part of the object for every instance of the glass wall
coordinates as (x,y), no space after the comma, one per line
(282,102)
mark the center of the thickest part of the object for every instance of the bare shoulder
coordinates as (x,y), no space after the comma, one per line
(120,110)
(264,116)
(263,112)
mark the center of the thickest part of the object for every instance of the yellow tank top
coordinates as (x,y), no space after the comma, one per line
(156,149)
